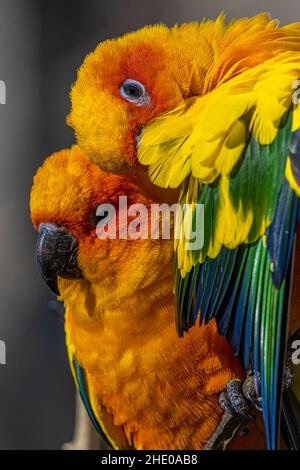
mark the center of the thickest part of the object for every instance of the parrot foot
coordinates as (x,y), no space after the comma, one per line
(288,371)
(252,385)
(287,377)
(226,431)
(237,414)
(233,401)
(237,401)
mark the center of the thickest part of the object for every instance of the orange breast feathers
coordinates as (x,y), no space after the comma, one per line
(162,390)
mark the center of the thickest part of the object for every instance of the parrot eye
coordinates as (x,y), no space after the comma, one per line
(134,92)
(102,218)
(99,217)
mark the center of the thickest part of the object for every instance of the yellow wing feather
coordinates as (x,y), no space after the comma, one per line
(206,135)
(204,138)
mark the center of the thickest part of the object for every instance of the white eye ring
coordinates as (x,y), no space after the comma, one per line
(134,92)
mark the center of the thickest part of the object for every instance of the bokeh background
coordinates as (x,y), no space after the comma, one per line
(42,43)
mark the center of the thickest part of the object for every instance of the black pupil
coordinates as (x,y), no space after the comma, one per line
(101,217)
(133,90)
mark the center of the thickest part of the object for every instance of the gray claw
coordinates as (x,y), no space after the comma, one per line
(287,377)
(234,401)
(225,403)
(251,388)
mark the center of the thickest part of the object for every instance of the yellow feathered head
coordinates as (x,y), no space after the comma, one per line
(128,82)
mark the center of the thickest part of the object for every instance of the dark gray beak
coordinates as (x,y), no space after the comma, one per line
(56,254)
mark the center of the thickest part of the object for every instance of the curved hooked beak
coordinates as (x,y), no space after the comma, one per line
(56,254)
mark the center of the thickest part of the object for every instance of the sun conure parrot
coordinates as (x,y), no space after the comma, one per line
(211,110)
(142,385)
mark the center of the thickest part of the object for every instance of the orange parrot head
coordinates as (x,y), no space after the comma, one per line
(128,82)
(72,205)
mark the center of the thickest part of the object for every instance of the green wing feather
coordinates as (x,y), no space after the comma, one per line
(246,288)
(236,150)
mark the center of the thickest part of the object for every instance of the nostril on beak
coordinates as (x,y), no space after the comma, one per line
(56,255)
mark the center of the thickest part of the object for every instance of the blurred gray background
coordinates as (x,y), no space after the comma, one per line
(42,42)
